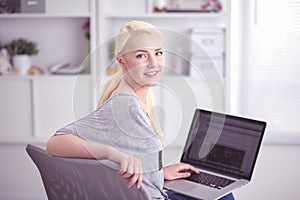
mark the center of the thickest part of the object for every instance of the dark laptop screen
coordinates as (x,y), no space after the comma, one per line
(223,143)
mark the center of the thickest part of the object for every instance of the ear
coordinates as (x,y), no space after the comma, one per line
(121,62)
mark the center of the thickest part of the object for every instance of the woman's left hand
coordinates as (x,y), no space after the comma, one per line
(178,170)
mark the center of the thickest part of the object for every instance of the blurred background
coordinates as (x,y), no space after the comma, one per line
(237,57)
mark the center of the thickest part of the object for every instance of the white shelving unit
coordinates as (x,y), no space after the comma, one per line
(113,14)
(167,15)
(44,15)
(41,104)
(34,107)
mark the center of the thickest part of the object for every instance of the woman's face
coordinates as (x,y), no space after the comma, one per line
(143,61)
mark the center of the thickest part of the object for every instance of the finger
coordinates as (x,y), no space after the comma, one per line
(125,175)
(132,181)
(126,166)
(133,168)
(194,169)
(140,180)
(184,175)
(189,168)
(182,166)
(121,172)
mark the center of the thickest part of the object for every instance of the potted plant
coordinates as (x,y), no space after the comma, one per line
(20,50)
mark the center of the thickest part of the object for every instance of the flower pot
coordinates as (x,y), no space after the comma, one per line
(21,63)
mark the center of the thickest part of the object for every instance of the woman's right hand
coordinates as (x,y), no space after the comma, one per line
(130,166)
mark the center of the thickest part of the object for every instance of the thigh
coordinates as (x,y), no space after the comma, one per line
(176,196)
(227,197)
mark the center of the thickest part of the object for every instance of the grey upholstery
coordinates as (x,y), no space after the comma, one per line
(82,179)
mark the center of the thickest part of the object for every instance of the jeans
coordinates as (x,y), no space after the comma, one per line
(176,196)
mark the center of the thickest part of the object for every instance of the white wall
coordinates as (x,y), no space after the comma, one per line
(276,175)
(19,178)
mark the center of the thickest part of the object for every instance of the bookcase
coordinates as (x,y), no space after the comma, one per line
(34,106)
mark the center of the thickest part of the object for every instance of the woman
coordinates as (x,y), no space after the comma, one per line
(124,129)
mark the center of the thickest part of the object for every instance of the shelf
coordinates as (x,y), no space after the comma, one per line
(33,140)
(170,77)
(47,76)
(43,15)
(166,15)
(189,78)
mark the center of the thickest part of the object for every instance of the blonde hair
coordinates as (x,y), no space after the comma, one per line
(127,32)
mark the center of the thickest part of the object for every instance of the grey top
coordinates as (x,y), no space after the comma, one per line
(122,123)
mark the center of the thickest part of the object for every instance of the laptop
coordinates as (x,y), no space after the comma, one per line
(224,148)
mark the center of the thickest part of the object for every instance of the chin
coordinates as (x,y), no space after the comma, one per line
(149,84)
(152,84)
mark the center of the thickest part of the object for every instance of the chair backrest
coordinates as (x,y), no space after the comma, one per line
(82,179)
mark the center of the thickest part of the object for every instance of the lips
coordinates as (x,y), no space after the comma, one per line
(151,73)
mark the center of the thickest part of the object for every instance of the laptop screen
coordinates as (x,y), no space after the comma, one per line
(224,144)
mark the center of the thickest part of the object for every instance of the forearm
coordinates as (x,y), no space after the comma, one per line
(69,145)
(100,151)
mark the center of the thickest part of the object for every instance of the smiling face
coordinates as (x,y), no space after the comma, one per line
(143,61)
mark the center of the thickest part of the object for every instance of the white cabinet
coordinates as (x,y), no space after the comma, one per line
(179,102)
(33,108)
(211,41)
(59,101)
(213,63)
(15,108)
(179,97)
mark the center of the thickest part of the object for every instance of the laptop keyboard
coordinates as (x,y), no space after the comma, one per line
(210,180)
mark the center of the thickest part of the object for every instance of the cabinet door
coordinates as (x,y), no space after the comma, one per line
(179,103)
(15,108)
(180,97)
(59,101)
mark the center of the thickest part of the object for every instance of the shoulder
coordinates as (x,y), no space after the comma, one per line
(126,103)
(127,110)
(121,103)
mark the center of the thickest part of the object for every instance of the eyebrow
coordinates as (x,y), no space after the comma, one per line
(141,50)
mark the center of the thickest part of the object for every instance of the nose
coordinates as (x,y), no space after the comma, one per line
(152,62)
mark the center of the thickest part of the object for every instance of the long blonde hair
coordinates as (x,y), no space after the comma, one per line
(128,31)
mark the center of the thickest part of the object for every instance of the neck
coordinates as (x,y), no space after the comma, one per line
(126,87)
